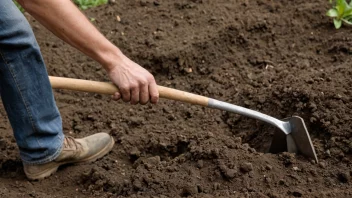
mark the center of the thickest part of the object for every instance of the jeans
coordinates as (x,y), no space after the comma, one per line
(25,90)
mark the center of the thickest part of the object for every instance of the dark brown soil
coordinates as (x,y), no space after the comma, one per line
(282,58)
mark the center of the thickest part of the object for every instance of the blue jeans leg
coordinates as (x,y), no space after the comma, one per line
(25,89)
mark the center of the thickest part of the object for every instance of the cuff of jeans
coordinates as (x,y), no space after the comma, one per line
(50,157)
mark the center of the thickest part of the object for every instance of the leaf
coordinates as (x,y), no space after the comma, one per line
(332,13)
(348,18)
(337,23)
(340,9)
(347,12)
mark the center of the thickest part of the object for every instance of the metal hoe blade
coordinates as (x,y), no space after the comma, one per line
(298,141)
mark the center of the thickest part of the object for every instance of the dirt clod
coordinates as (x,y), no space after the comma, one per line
(246,167)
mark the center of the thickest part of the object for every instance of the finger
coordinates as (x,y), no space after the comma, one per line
(153,92)
(144,95)
(116,96)
(126,94)
(135,95)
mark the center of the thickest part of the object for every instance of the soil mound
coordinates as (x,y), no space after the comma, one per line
(277,57)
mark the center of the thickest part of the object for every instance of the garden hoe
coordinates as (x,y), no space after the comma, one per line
(292,137)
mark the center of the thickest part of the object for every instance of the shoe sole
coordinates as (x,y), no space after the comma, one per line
(48,172)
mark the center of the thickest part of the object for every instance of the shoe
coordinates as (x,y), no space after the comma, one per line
(87,149)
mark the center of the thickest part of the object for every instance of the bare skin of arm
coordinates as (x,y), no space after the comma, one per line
(67,22)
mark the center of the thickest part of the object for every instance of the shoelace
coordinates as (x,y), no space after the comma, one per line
(70,142)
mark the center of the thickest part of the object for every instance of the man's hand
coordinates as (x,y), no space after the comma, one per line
(136,84)
(63,18)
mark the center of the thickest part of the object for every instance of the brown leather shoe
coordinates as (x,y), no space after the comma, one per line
(87,149)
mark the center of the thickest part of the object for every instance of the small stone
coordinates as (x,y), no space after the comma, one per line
(216,186)
(295,168)
(238,140)
(200,163)
(143,2)
(210,134)
(247,103)
(36,27)
(310,81)
(154,160)
(230,173)
(252,150)
(190,190)
(310,180)
(188,70)
(328,152)
(78,127)
(135,152)
(156,3)
(213,18)
(314,173)
(246,167)
(268,167)
(261,99)
(137,185)
(118,18)
(322,165)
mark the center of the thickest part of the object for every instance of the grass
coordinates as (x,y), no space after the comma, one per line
(82,4)
(19,6)
(85,4)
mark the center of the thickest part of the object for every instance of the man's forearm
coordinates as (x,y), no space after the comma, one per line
(66,21)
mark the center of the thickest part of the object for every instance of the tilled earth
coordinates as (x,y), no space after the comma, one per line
(281,58)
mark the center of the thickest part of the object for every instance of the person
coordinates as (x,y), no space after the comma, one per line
(27,95)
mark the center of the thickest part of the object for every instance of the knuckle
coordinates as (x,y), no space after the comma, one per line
(143,82)
(150,78)
(134,86)
(124,88)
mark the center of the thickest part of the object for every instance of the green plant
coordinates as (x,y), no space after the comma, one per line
(341,12)
(19,6)
(85,4)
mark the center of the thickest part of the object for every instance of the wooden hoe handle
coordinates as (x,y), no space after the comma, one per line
(110,89)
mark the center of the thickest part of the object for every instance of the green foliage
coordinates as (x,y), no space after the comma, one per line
(85,4)
(341,12)
(19,6)
(82,4)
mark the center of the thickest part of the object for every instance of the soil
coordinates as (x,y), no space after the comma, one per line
(281,58)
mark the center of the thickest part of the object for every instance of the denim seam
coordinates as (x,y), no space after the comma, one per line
(47,158)
(19,90)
